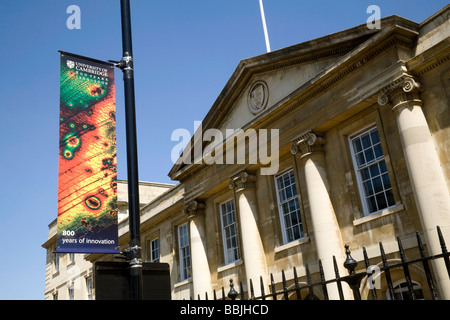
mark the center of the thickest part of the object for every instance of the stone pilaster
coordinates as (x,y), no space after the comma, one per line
(326,234)
(201,274)
(427,179)
(243,184)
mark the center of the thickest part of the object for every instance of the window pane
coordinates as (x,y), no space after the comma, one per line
(287,220)
(360,160)
(390,198)
(374,171)
(386,181)
(280,184)
(381,201)
(368,188)
(357,145)
(290,235)
(369,155)
(292,180)
(292,205)
(365,139)
(282,195)
(383,167)
(377,185)
(372,204)
(365,174)
(288,193)
(378,151)
(295,218)
(287,179)
(296,233)
(375,137)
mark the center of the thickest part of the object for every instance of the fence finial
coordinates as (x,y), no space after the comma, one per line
(350,263)
(232,294)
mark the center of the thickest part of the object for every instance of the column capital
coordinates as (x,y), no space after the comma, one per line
(307,143)
(242,180)
(401,92)
(194,208)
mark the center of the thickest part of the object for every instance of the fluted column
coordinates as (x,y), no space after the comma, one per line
(427,178)
(252,246)
(201,275)
(327,235)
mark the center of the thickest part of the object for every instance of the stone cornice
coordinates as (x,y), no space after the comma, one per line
(393,36)
(432,65)
(429,59)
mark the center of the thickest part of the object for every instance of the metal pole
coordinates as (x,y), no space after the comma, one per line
(263,18)
(134,252)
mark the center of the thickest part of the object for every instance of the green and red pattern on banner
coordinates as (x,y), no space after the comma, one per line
(87,184)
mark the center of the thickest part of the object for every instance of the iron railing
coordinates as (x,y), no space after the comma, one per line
(353,279)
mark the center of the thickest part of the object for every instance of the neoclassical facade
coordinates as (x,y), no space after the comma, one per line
(358,153)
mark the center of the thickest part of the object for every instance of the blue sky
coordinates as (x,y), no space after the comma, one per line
(184,53)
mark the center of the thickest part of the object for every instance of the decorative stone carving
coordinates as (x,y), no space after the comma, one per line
(242,180)
(194,207)
(402,91)
(307,143)
(383,99)
(258,96)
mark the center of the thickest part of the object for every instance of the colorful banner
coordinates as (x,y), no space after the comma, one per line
(87,189)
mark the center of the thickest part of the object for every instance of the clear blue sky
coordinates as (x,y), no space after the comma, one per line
(184,53)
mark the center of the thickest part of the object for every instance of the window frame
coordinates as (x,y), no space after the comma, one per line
(364,198)
(185,270)
(90,288)
(71,292)
(280,204)
(57,262)
(401,291)
(152,250)
(234,224)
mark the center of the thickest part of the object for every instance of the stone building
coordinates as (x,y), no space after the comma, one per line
(357,131)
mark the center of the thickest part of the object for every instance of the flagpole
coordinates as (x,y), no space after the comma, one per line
(263,17)
(126,64)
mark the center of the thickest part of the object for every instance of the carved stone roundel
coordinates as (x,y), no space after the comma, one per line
(257,98)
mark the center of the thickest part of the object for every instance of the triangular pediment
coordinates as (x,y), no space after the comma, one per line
(262,84)
(267,89)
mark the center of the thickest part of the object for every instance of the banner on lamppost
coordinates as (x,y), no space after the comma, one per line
(87,183)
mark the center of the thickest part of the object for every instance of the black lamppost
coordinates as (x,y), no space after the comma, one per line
(126,64)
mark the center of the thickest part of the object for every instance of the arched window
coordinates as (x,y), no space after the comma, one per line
(401,292)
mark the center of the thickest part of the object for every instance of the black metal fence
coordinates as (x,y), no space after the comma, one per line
(407,290)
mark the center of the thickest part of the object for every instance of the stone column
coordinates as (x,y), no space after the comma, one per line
(201,275)
(327,235)
(427,178)
(252,246)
